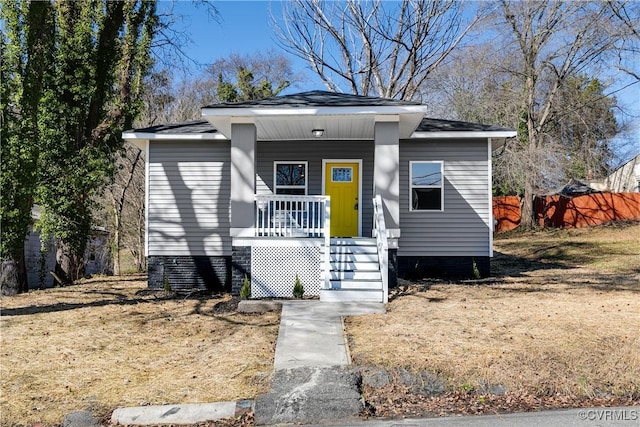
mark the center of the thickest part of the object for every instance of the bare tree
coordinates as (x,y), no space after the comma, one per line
(628,43)
(554,42)
(373,47)
(478,85)
(168,101)
(474,86)
(122,209)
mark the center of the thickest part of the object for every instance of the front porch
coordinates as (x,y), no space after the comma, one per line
(292,238)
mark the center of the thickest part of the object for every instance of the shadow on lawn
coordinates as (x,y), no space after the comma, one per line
(522,275)
(117,299)
(63,306)
(97,280)
(506,265)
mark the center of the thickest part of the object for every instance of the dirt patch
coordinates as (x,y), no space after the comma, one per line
(228,305)
(556,326)
(397,401)
(107,343)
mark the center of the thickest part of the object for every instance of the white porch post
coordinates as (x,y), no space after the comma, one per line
(243,179)
(386,174)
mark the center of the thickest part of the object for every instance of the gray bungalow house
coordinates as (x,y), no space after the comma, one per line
(346,192)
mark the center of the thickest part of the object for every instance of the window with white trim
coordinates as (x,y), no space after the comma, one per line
(425,185)
(290,178)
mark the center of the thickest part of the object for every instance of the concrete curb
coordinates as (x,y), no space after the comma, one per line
(180,414)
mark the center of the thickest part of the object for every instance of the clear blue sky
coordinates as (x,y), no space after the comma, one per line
(244,27)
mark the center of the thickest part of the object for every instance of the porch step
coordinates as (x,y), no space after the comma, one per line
(355,273)
(355,284)
(346,249)
(351,257)
(353,241)
(351,295)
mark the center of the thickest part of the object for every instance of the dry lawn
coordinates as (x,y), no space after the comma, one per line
(106,343)
(561,315)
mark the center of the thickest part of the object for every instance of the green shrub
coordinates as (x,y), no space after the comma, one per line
(167,285)
(476,271)
(245,291)
(298,289)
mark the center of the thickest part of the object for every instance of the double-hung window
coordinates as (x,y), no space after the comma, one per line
(290,178)
(426,185)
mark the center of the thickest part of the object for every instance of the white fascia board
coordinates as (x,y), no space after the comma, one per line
(312,111)
(173,136)
(464,134)
(387,118)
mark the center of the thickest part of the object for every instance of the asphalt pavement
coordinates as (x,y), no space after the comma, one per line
(587,417)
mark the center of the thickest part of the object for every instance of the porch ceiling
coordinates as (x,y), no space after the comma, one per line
(291,127)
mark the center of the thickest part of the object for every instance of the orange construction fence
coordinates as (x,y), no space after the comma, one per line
(568,212)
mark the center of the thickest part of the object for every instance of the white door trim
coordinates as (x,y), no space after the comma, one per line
(324,177)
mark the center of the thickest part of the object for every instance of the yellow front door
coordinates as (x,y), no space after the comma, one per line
(341,184)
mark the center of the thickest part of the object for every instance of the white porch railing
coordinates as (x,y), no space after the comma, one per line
(380,231)
(290,216)
(295,216)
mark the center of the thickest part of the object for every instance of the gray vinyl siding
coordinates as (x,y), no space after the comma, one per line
(189,198)
(314,152)
(463,227)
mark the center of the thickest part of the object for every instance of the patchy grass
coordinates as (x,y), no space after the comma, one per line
(559,317)
(609,249)
(107,343)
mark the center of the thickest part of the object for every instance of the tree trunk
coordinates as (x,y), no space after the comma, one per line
(116,237)
(527,210)
(116,255)
(69,266)
(13,277)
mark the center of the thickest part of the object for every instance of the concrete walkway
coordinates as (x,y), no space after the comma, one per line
(312,334)
(312,381)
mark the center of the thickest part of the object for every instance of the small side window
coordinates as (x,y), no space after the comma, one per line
(290,178)
(425,185)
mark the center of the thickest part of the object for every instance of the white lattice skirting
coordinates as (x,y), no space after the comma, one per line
(274,269)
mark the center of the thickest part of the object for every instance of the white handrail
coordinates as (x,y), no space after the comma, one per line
(290,216)
(380,230)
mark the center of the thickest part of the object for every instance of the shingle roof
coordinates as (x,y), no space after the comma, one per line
(192,127)
(438,125)
(319,98)
(427,125)
(316,98)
